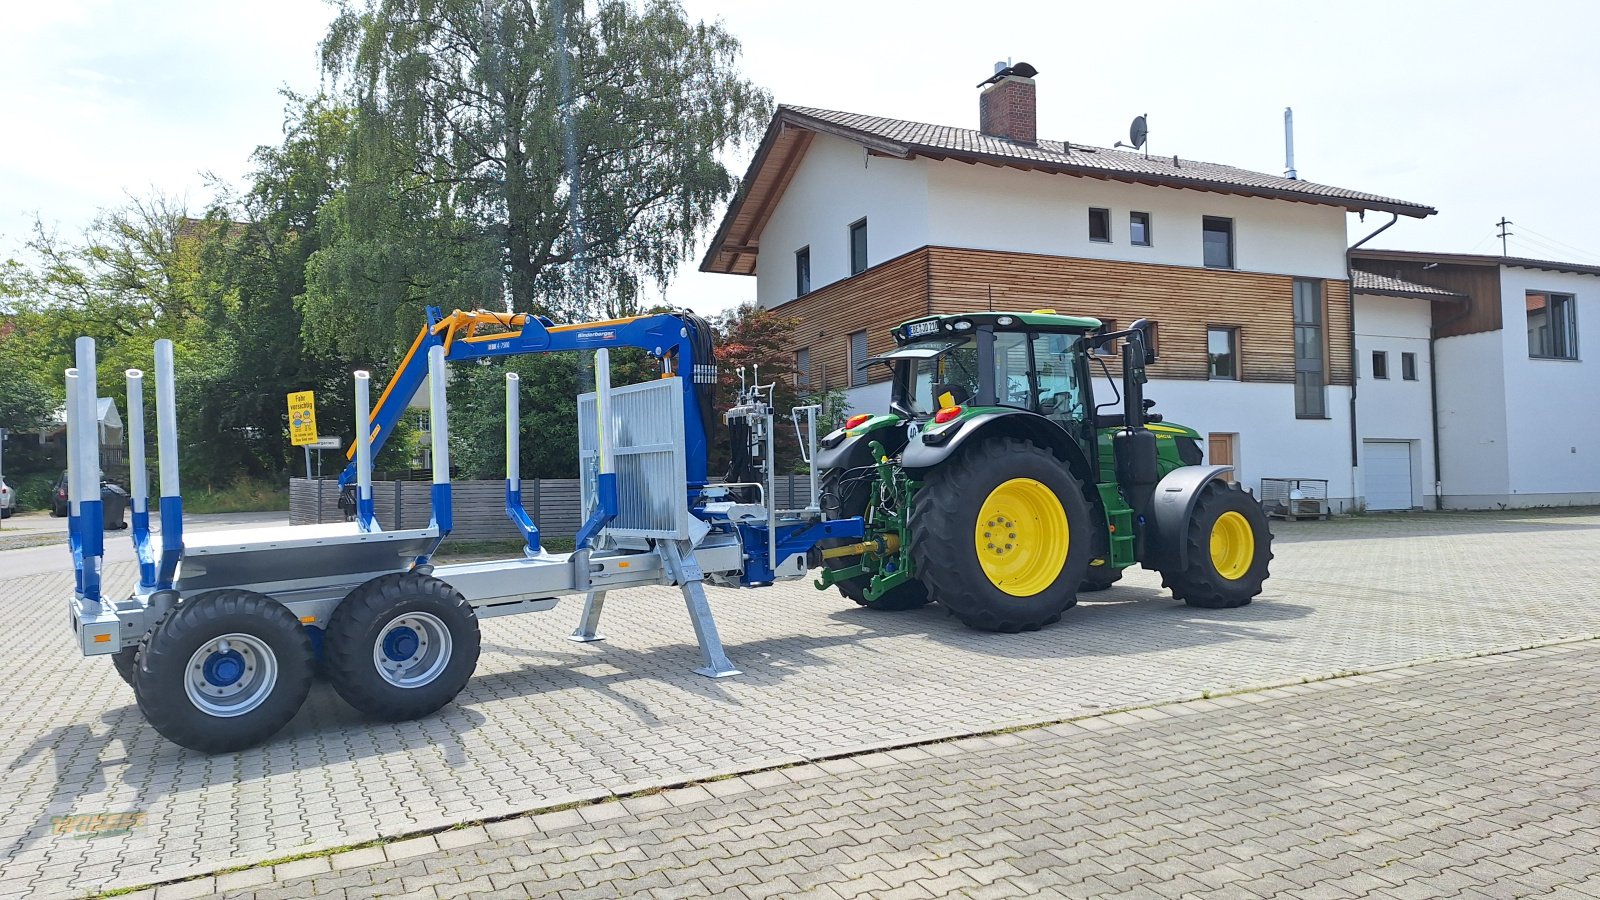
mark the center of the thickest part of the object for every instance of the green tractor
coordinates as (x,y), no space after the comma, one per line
(996,486)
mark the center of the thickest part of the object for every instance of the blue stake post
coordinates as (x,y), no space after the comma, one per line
(171,503)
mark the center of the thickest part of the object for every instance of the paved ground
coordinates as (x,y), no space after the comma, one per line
(1473,779)
(547,722)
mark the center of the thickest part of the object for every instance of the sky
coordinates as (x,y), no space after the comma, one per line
(1479,109)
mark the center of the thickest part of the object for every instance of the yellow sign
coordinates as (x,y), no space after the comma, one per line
(302,418)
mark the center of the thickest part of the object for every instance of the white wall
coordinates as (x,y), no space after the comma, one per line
(835,185)
(1552,409)
(1396,409)
(1034,212)
(1473,462)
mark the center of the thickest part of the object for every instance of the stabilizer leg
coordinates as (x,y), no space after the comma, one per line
(686,572)
(589,626)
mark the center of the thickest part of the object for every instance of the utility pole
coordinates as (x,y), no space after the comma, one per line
(1504,234)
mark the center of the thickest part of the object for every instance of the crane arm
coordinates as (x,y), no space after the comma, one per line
(683,340)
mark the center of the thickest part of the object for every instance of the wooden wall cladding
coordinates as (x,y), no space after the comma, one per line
(1480,283)
(1183,301)
(876,300)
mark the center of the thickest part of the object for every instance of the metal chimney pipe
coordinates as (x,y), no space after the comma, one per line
(1288,143)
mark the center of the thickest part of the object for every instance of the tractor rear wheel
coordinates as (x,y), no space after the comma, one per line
(1229,546)
(1001,536)
(842,498)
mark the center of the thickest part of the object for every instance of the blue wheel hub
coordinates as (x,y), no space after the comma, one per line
(401,643)
(224,669)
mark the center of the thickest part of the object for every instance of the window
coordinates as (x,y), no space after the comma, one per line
(858,355)
(858,247)
(1380,364)
(1060,395)
(1222,346)
(1310,390)
(1011,383)
(1139,229)
(802,368)
(1100,225)
(802,271)
(1552,326)
(1110,347)
(1217,234)
(1408,366)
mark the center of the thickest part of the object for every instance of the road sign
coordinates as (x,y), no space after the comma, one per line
(303,418)
(327,443)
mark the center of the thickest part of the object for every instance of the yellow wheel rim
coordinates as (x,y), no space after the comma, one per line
(1021,537)
(1233,545)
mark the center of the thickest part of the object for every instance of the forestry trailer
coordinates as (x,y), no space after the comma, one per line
(996,486)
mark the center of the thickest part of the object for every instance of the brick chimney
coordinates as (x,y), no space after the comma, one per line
(1007,108)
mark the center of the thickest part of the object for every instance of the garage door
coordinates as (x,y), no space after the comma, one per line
(1388,468)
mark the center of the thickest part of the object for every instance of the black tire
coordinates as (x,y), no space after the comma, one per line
(1100,578)
(376,617)
(842,499)
(1200,583)
(164,685)
(943,525)
(126,662)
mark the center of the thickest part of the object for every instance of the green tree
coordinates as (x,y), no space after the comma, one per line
(538,154)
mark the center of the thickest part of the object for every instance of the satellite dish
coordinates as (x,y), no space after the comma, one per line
(1137,132)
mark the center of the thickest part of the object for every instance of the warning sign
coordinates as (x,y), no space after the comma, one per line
(303,418)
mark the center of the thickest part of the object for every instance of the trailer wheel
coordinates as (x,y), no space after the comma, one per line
(401,646)
(1100,578)
(1001,535)
(223,671)
(1230,546)
(126,662)
(841,499)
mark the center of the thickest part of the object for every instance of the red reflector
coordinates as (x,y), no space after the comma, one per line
(855,420)
(946,414)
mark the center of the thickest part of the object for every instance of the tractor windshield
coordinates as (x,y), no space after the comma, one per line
(935,368)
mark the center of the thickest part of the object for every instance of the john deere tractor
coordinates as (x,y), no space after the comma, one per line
(998,487)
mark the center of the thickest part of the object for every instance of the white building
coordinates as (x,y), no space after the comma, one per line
(1517,422)
(852,224)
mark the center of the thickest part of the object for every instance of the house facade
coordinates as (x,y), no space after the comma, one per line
(1515,399)
(852,224)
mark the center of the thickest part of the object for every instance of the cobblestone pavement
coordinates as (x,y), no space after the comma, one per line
(546,721)
(1471,779)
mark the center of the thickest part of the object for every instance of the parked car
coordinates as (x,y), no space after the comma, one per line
(112,495)
(8,500)
(59,504)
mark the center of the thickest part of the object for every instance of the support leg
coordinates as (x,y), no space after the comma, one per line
(686,572)
(589,626)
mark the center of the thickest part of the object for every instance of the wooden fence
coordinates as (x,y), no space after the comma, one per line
(479,507)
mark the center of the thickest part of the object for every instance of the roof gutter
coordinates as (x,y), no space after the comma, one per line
(1355,362)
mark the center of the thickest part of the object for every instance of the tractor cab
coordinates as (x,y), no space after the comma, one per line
(1029,361)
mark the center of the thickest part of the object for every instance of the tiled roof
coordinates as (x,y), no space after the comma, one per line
(922,139)
(1373,283)
(737,240)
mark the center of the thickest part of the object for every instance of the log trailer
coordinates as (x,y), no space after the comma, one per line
(222,632)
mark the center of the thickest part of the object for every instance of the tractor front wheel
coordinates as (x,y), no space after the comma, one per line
(1001,536)
(1229,547)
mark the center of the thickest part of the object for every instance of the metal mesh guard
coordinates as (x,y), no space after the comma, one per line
(647,442)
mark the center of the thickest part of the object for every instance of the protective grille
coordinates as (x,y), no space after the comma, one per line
(646,431)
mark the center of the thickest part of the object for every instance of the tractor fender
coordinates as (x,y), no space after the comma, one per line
(921,455)
(1173,504)
(854,451)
